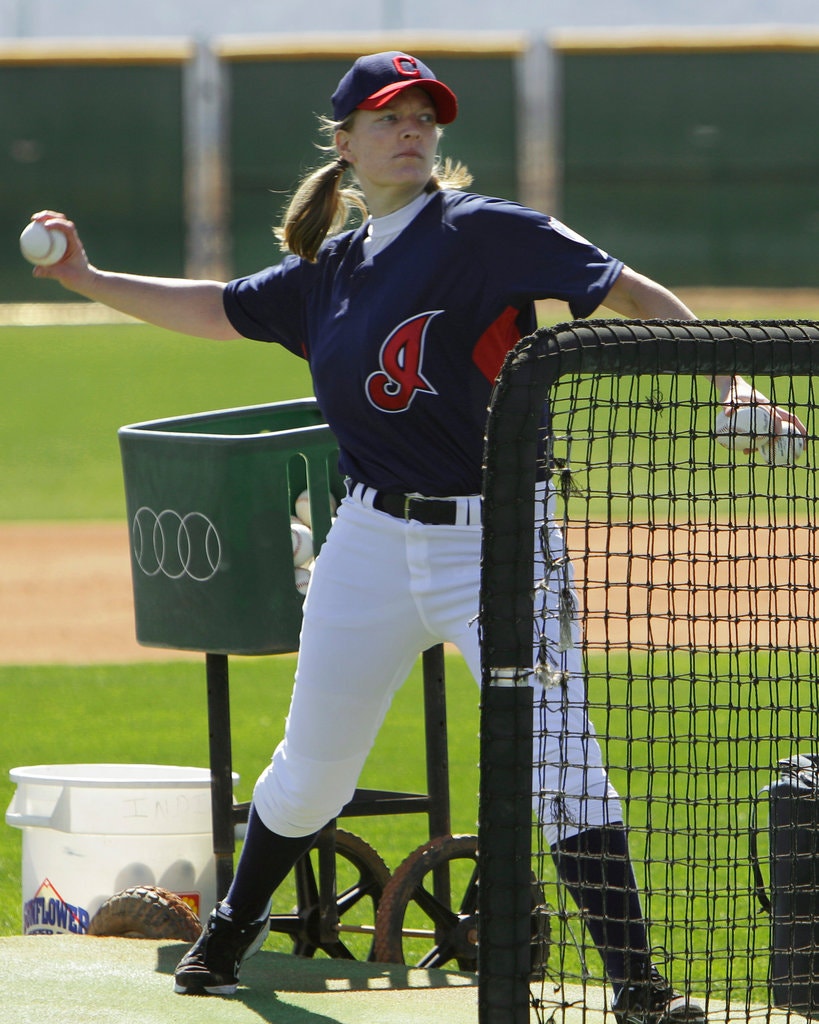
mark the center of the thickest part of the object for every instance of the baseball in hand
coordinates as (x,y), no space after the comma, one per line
(749,426)
(784,448)
(41,245)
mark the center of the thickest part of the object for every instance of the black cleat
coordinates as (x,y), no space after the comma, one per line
(655,1002)
(211,965)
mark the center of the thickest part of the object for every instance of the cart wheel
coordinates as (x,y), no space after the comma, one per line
(414,925)
(346,930)
(145,912)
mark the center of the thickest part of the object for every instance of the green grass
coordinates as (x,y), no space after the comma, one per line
(157,714)
(698,808)
(718,721)
(631,443)
(67,390)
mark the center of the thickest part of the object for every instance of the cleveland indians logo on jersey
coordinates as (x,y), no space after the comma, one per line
(395,385)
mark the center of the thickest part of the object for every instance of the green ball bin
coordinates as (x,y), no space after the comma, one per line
(209,501)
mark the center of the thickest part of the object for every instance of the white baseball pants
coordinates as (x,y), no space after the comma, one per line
(383,591)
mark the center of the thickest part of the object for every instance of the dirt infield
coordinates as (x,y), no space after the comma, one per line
(698,587)
(66,597)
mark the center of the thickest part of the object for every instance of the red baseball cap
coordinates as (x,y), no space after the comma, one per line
(373,81)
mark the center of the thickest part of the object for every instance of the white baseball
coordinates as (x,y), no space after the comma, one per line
(749,427)
(784,448)
(41,245)
(302,579)
(302,507)
(302,540)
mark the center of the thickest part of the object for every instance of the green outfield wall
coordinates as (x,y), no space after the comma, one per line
(97,134)
(695,159)
(698,162)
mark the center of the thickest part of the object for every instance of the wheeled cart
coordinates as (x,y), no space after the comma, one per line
(209,502)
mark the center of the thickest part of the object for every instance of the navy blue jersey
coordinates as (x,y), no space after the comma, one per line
(404,347)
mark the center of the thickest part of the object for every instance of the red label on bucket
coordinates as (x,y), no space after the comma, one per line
(47,913)
(194,901)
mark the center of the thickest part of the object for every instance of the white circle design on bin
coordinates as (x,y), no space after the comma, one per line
(176,546)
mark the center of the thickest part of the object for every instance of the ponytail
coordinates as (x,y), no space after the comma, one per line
(320,207)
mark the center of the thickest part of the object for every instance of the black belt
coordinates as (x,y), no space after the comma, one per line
(430,511)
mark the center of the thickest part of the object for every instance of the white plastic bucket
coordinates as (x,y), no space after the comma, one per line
(92,830)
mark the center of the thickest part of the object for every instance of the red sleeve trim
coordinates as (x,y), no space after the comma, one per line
(493,345)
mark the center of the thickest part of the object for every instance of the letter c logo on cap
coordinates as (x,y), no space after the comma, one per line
(406,66)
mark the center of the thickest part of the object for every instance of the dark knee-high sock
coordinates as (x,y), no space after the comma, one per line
(596,868)
(264,863)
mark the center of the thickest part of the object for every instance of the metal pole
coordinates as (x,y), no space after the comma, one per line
(206,166)
(440,823)
(221,769)
(538,157)
(437,752)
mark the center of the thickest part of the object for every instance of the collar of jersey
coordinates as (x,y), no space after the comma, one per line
(380,231)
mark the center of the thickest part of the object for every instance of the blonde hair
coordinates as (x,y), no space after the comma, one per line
(321,207)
